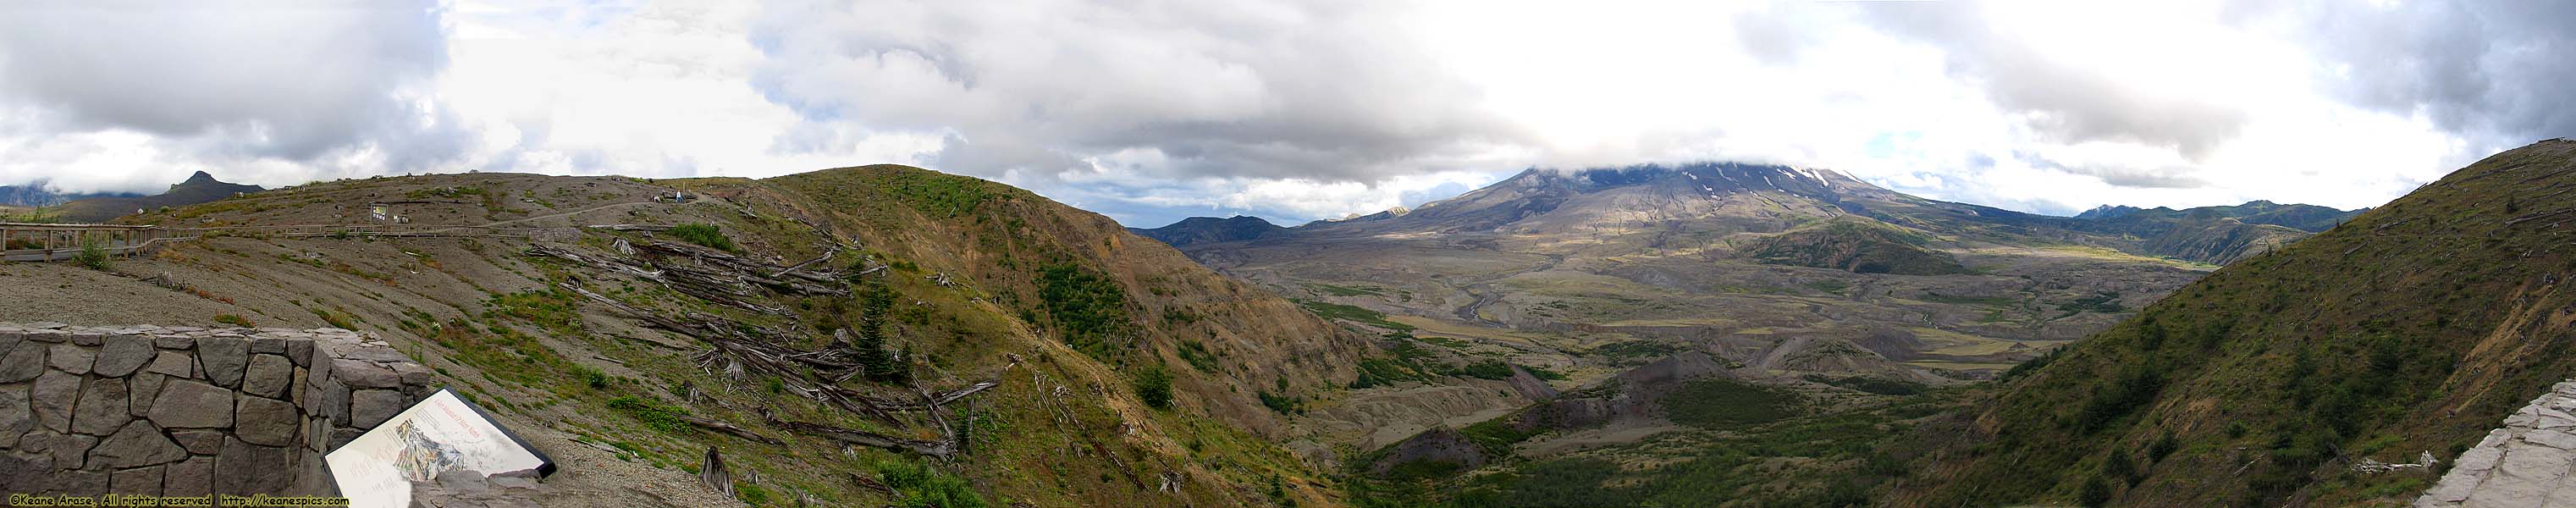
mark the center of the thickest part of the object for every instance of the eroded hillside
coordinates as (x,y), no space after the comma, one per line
(1026,352)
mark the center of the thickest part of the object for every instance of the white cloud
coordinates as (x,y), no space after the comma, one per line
(1148,110)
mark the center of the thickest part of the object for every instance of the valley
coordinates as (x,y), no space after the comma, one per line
(1778,275)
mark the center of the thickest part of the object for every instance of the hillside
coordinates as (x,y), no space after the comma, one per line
(198,188)
(1196,230)
(1855,245)
(1589,281)
(2418,326)
(1076,364)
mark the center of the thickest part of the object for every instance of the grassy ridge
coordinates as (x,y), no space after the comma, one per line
(2413,327)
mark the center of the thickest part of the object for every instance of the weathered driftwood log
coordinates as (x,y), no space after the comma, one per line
(727,428)
(940,448)
(631,227)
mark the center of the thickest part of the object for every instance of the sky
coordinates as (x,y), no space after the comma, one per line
(1150,111)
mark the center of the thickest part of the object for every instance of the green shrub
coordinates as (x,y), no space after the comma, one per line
(1283,403)
(655,415)
(93,254)
(1488,369)
(1725,403)
(1154,385)
(703,234)
(916,485)
(235,320)
(1196,353)
(1867,384)
(750,493)
(2095,492)
(1088,309)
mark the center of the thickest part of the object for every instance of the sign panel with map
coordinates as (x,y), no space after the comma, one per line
(442,433)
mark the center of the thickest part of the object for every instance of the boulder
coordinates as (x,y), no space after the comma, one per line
(139,392)
(138,444)
(71,358)
(368,408)
(223,359)
(23,362)
(101,410)
(67,450)
(53,396)
(364,374)
(264,421)
(190,404)
(122,354)
(252,469)
(173,363)
(191,477)
(141,481)
(268,376)
(16,415)
(201,442)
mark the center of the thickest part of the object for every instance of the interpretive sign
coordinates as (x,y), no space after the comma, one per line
(442,433)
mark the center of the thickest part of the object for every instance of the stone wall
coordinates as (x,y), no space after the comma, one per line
(176,411)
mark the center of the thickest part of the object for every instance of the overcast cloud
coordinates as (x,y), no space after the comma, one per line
(1150,111)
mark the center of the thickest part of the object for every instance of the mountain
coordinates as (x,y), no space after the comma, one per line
(1640,293)
(797,325)
(2309,218)
(1210,230)
(198,188)
(36,194)
(1765,273)
(2416,327)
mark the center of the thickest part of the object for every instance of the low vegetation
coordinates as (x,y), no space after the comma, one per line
(705,235)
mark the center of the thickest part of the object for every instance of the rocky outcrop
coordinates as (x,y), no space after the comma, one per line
(180,411)
(1439,445)
(2530,462)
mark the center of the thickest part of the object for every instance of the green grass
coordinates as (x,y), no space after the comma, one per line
(706,235)
(1196,354)
(917,485)
(1727,403)
(1329,310)
(235,320)
(1874,385)
(2376,335)
(1337,290)
(655,415)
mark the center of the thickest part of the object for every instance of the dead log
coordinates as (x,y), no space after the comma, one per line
(727,428)
(2535,216)
(631,227)
(864,482)
(941,449)
(826,255)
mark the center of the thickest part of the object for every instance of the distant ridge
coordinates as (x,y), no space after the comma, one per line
(1197,230)
(198,188)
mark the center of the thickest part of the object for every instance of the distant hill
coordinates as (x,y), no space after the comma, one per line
(36,194)
(2415,328)
(2309,218)
(198,188)
(1196,230)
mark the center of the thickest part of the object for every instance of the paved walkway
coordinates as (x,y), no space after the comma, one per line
(2530,462)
